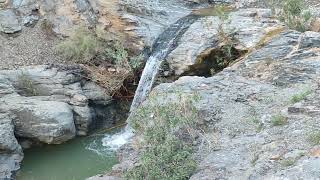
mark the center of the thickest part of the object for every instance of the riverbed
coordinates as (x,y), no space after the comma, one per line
(75,160)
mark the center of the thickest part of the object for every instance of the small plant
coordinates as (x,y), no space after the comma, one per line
(107,63)
(293,13)
(288,162)
(81,47)
(168,132)
(301,96)
(47,27)
(26,84)
(254,119)
(136,62)
(279,120)
(314,138)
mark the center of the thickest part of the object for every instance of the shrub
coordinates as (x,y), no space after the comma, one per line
(107,63)
(26,84)
(167,132)
(47,27)
(293,13)
(279,120)
(288,162)
(300,96)
(81,47)
(314,138)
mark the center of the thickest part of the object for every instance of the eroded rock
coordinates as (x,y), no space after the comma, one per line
(10,151)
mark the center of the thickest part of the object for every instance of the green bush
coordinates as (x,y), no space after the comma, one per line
(314,138)
(26,84)
(81,47)
(108,63)
(279,120)
(167,138)
(300,96)
(293,13)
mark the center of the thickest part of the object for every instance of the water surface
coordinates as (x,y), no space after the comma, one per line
(75,160)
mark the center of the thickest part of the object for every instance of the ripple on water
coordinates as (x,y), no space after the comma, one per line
(75,160)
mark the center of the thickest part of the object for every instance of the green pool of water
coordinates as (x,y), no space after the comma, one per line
(74,160)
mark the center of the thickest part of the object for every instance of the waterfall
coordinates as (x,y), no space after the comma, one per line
(164,44)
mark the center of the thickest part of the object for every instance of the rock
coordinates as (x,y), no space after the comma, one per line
(203,36)
(29,93)
(240,102)
(151,18)
(39,120)
(10,151)
(9,22)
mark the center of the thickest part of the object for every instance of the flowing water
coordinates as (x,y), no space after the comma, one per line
(165,43)
(74,160)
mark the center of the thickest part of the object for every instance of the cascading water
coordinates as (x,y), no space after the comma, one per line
(164,44)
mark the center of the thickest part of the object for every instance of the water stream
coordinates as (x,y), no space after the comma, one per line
(164,44)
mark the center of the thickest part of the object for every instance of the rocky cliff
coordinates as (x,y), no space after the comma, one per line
(261,112)
(259,107)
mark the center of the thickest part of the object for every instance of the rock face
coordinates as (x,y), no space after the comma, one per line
(263,112)
(53,99)
(10,151)
(48,104)
(249,26)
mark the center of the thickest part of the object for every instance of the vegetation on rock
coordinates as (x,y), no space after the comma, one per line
(108,63)
(293,13)
(300,96)
(26,84)
(168,132)
(279,120)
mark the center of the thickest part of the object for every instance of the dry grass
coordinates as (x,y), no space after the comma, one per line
(108,64)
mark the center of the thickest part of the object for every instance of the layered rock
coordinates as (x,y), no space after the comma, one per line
(49,104)
(44,96)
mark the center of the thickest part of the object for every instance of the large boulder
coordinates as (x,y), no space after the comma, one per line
(46,121)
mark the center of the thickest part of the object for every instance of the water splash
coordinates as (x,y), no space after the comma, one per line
(115,141)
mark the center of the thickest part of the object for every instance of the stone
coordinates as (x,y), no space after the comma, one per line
(202,37)
(58,99)
(46,121)
(9,22)
(237,102)
(10,151)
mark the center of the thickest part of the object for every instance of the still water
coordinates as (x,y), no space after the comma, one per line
(74,160)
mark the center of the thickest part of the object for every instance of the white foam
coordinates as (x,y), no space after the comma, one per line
(115,141)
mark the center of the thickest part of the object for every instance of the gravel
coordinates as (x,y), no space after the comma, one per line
(29,47)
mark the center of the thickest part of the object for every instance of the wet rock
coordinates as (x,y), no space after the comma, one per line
(151,18)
